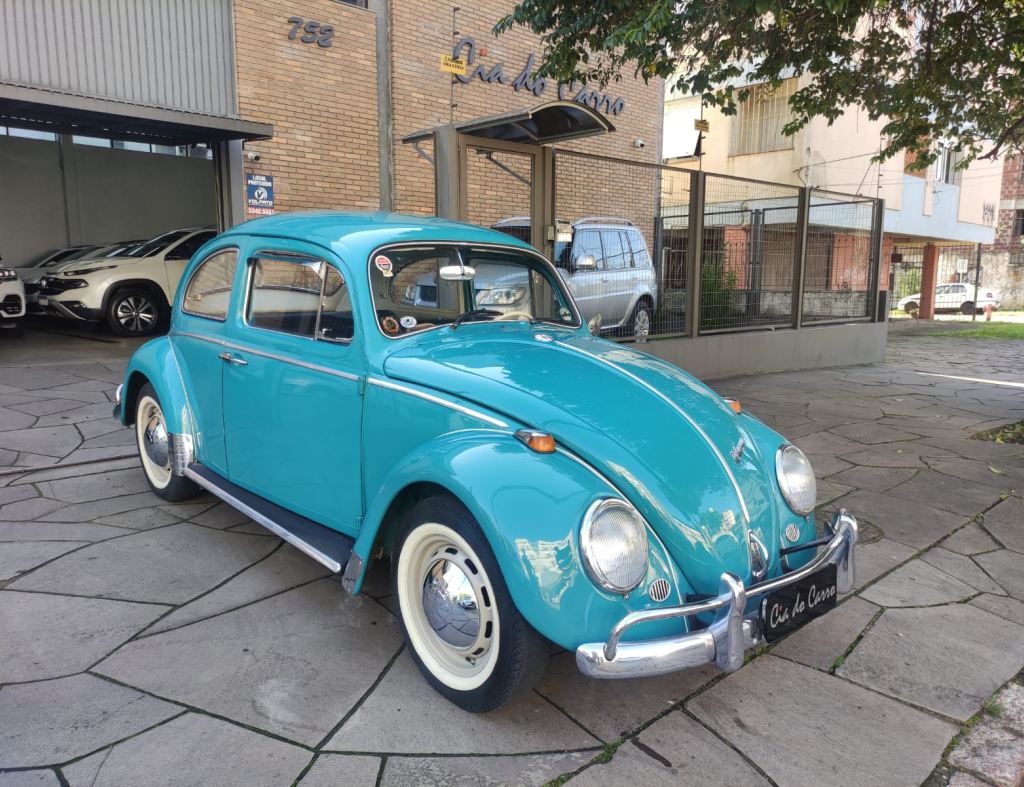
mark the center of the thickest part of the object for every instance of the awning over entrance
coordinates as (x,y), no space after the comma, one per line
(63,113)
(556,121)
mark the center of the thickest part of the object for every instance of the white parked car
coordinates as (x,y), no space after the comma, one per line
(12,299)
(132,295)
(957,297)
(58,259)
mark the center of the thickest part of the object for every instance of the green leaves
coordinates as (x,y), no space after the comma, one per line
(947,70)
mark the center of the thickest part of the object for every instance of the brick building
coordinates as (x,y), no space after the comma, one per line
(1003,261)
(217,111)
(339,112)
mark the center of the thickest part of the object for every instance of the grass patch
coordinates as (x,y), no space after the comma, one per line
(1009,435)
(987,330)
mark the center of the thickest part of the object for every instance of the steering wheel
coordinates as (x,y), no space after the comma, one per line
(512,316)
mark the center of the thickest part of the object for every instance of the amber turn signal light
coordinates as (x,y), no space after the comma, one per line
(734,405)
(541,442)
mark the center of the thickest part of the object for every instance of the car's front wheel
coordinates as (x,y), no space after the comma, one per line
(911,307)
(133,311)
(155,452)
(463,629)
(967,307)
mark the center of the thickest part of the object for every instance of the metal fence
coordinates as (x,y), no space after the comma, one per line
(959,274)
(741,254)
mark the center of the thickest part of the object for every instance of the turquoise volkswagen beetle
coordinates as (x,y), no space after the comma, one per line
(531,483)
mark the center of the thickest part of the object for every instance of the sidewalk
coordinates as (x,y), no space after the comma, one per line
(142,642)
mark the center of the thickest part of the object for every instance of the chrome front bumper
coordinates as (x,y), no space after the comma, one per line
(733,630)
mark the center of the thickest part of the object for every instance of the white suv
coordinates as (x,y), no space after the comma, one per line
(12,299)
(131,294)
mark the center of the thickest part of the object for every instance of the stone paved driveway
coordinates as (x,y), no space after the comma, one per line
(147,643)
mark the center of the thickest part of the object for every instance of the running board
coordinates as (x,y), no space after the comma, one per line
(323,544)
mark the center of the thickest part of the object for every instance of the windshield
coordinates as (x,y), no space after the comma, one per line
(159,243)
(409,294)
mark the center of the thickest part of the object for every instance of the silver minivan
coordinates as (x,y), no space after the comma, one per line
(608,269)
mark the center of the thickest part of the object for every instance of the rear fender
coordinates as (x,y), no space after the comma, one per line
(529,507)
(155,363)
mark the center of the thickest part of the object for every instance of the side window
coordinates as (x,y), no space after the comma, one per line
(209,288)
(185,249)
(588,242)
(302,296)
(336,323)
(641,257)
(615,255)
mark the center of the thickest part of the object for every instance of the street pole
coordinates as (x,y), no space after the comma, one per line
(977,284)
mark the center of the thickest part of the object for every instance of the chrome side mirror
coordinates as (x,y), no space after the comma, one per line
(457,273)
(584,262)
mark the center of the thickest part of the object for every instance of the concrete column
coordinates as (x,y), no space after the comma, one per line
(929,274)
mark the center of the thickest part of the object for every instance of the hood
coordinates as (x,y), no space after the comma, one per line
(665,439)
(82,265)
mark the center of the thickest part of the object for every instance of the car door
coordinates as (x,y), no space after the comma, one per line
(292,381)
(586,285)
(177,257)
(200,327)
(616,281)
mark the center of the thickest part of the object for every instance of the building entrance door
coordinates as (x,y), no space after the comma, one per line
(501,186)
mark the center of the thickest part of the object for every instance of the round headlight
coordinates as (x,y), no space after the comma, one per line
(796,479)
(613,540)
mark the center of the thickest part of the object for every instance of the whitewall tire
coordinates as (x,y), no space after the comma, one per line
(463,630)
(151,437)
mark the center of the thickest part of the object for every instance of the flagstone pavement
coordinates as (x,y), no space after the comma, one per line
(149,643)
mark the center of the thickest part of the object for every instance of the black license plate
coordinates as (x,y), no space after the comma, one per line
(793,606)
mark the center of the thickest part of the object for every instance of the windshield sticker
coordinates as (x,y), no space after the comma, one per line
(390,325)
(408,322)
(384,266)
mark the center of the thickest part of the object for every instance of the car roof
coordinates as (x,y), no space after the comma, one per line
(362,232)
(601,222)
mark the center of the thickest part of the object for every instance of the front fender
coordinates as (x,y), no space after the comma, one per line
(529,507)
(155,362)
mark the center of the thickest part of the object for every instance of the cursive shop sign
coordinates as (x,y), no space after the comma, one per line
(466,49)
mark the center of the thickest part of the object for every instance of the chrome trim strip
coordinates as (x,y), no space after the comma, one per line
(272,356)
(724,641)
(437,400)
(268,523)
(682,412)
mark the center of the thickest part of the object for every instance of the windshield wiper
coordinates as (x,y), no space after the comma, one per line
(474,314)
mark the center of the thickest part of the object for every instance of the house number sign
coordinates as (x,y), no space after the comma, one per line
(309,31)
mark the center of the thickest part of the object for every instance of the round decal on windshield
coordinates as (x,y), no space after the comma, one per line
(408,321)
(390,325)
(385,266)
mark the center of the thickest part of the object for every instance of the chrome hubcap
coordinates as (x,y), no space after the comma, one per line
(451,605)
(154,441)
(136,313)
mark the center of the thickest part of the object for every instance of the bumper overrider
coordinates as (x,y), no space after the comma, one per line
(733,631)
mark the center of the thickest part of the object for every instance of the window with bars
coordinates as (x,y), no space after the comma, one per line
(759,120)
(1018,223)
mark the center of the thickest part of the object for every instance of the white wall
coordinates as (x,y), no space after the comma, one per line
(104,196)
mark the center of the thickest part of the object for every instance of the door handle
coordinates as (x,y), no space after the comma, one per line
(229,358)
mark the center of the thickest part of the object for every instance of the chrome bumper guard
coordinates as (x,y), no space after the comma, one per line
(733,630)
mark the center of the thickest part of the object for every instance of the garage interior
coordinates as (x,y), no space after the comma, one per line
(81,171)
